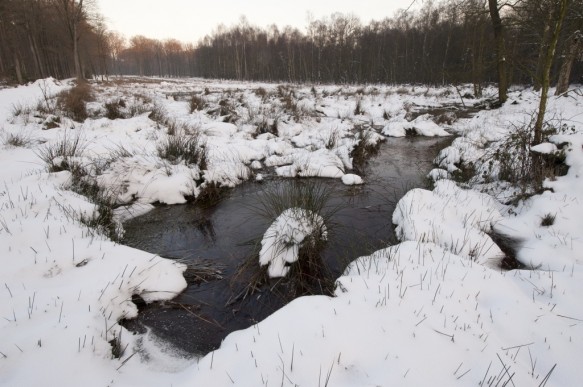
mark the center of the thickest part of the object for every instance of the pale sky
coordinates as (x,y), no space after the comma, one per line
(190,20)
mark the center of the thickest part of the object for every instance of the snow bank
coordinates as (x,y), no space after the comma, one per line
(455,219)
(65,288)
(556,246)
(413,314)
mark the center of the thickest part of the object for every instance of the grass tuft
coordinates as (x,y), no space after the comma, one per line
(184,147)
(548,220)
(196,103)
(103,219)
(358,108)
(113,109)
(309,274)
(18,109)
(363,150)
(61,155)
(18,140)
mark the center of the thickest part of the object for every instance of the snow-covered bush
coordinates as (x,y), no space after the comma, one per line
(295,229)
(514,160)
(299,216)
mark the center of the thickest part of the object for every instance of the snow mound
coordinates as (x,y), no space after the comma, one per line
(150,180)
(321,163)
(422,126)
(544,148)
(457,220)
(397,128)
(219,129)
(351,179)
(286,235)
(438,174)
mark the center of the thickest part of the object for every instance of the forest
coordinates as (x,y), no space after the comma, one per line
(443,42)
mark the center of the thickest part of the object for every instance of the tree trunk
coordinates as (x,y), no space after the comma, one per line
(540,63)
(36,58)
(78,71)
(500,50)
(18,70)
(558,16)
(573,48)
(478,64)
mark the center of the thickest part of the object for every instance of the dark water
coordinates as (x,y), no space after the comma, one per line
(199,318)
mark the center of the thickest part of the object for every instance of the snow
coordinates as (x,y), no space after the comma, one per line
(457,220)
(352,179)
(545,148)
(432,310)
(282,241)
(422,125)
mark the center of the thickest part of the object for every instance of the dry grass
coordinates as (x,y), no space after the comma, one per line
(61,155)
(183,147)
(73,102)
(196,103)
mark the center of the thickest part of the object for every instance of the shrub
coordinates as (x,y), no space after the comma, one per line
(465,171)
(264,126)
(137,109)
(518,166)
(72,102)
(227,110)
(112,109)
(210,194)
(196,103)
(363,149)
(51,122)
(289,103)
(261,92)
(159,115)
(358,109)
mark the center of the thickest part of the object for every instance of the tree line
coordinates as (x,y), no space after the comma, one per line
(450,41)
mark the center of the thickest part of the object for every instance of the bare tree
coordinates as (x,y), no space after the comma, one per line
(71,13)
(500,49)
(558,11)
(574,49)
(116,44)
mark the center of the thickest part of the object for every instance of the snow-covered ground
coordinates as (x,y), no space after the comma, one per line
(433,310)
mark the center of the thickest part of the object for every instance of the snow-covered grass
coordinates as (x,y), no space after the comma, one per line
(433,310)
(295,229)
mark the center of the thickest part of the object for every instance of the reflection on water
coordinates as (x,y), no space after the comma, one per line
(199,318)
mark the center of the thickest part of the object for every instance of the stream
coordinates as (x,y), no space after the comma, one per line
(198,319)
